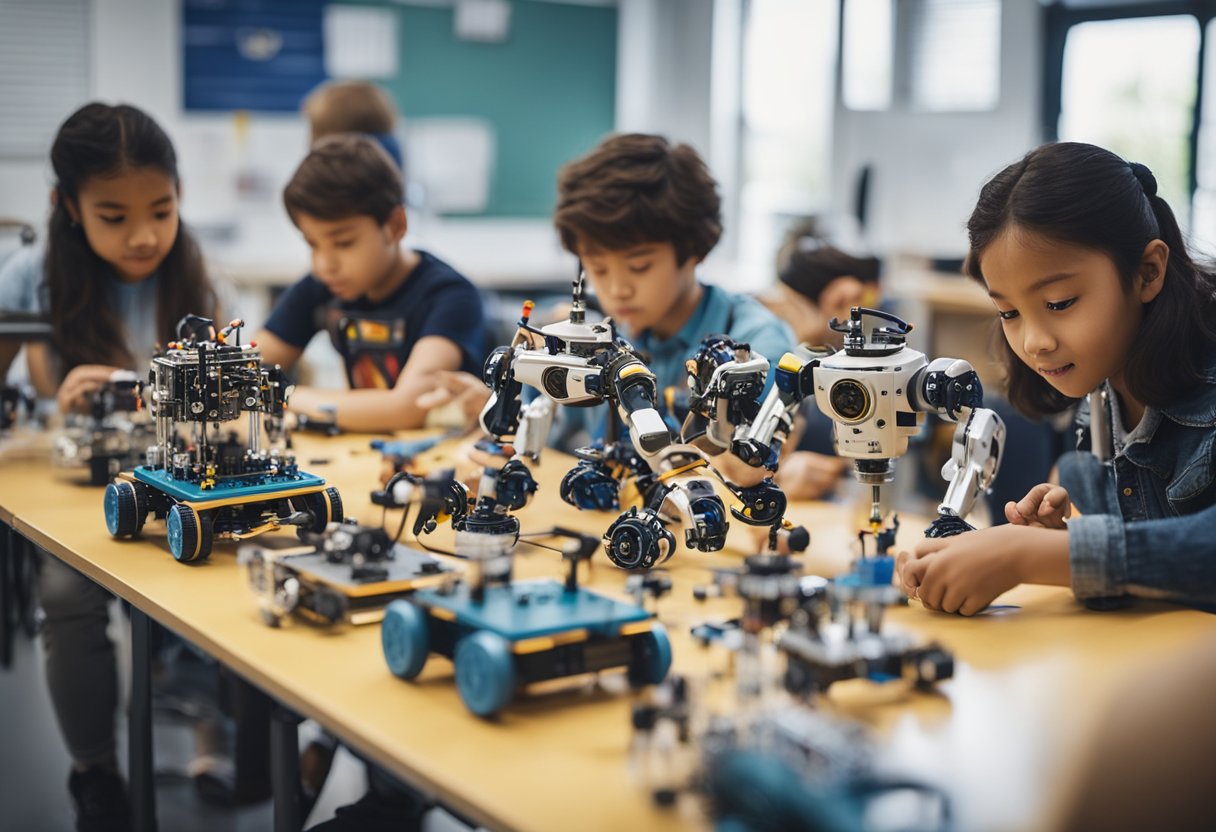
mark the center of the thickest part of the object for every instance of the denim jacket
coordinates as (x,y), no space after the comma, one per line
(1148,522)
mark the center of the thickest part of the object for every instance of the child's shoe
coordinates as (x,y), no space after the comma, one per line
(100,797)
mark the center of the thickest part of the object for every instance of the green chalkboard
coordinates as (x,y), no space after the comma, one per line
(549,90)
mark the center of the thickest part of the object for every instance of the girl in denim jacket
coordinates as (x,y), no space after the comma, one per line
(1098,300)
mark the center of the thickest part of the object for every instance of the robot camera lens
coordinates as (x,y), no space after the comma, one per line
(850,400)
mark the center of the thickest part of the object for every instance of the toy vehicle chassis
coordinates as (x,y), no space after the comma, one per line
(194,517)
(523,632)
(325,592)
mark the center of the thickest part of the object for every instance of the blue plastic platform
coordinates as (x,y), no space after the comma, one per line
(549,609)
(223,489)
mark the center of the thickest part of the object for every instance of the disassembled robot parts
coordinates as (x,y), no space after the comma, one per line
(349,575)
(828,631)
(781,766)
(112,437)
(216,487)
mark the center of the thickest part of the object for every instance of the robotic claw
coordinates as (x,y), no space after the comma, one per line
(726,395)
(877,391)
(584,364)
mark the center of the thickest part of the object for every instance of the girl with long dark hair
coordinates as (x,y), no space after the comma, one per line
(119,270)
(1102,306)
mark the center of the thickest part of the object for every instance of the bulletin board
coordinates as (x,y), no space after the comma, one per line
(259,55)
(548,90)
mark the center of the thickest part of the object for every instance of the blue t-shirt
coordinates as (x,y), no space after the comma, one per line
(720,312)
(375,338)
(23,289)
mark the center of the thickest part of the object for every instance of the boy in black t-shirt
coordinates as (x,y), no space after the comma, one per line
(397,316)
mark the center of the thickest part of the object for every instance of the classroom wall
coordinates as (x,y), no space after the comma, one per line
(660,82)
(928,167)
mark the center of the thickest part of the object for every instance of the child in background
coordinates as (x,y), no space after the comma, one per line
(641,215)
(118,272)
(353,107)
(1097,294)
(397,316)
(816,283)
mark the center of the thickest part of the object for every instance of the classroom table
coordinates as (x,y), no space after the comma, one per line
(1032,679)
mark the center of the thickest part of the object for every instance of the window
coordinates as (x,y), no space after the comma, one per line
(954,48)
(867,52)
(1129,85)
(943,54)
(44,57)
(789,56)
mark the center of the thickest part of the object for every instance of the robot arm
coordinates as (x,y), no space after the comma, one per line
(636,392)
(440,497)
(946,386)
(979,443)
(761,440)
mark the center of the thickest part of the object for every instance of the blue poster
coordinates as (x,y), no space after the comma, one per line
(260,55)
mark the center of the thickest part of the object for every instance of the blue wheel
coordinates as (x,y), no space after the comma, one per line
(485,672)
(651,657)
(405,639)
(325,508)
(189,533)
(122,507)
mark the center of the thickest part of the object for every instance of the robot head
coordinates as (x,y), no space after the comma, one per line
(864,389)
(865,334)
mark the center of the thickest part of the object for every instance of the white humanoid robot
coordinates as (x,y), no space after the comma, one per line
(876,391)
(582,364)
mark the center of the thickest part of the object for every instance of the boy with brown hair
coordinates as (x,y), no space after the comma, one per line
(397,316)
(641,215)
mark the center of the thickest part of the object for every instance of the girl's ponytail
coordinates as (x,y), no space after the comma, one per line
(1188,289)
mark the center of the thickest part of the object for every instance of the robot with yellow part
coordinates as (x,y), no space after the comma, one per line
(217,486)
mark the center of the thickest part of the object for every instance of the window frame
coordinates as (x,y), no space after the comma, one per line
(1059,19)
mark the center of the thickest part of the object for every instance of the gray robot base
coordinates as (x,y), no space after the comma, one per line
(234,510)
(308,584)
(521,633)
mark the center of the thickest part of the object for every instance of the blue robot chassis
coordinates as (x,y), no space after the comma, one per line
(215,488)
(519,633)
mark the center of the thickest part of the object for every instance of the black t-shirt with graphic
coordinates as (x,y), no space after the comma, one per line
(375,339)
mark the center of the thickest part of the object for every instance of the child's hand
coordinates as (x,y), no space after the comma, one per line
(81,381)
(464,389)
(1046,506)
(471,461)
(808,476)
(966,572)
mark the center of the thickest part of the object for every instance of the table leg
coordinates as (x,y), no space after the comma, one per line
(143,776)
(285,770)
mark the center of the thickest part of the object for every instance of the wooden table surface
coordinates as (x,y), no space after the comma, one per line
(1030,685)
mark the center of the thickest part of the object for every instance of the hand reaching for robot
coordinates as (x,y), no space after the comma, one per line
(804,475)
(967,572)
(961,574)
(80,382)
(470,460)
(1046,505)
(463,390)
